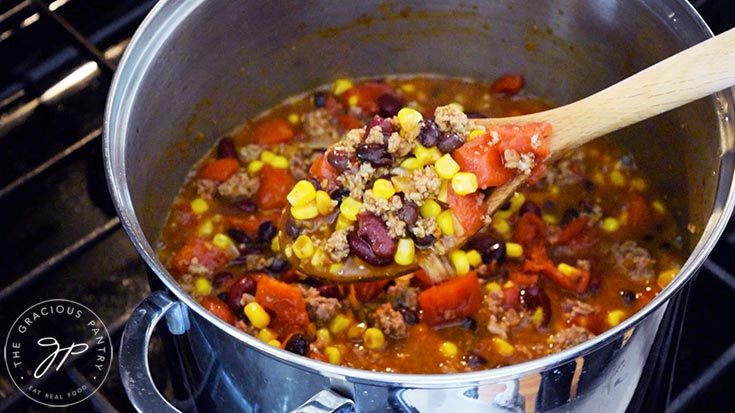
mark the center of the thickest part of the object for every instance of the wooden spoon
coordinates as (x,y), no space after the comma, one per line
(682,78)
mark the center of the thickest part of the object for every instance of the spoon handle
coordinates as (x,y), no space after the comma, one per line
(701,70)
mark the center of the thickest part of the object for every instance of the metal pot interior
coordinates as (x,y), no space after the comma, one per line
(198,69)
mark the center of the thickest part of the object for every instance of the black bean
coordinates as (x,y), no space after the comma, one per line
(529,206)
(533,297)
(469,324)
(389,105)
(266,231)
(278,266)
(588,185)
(449,142)
(340,159)
(569,215)
(429,134)
(220,277)
(298,344)
(245,285)
(314,181)
(237,235)
(226,148)
(629,297)
(223,297)
(410,316)
(490,248)
(409,213)
(474,115)
(339,193)
(374,153)
(245,205)
(320,99)
(475,361)
(291,229)
(425,241)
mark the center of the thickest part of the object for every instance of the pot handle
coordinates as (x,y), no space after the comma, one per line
(134,369)
(326,401)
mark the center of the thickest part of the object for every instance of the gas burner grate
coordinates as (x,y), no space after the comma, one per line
(63,227)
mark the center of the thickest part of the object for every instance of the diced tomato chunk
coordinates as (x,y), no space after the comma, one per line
(251,223)
(367,95)
(218,307)
(348,122)
(457,298)
(483,159)
(219,169)
(509,83)
(528,138)
(205,253)
(275,184)
(468,209)
(366,291)
(321,169)
(283,300)
(273,131)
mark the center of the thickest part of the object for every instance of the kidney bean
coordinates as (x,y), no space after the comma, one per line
(489,248)
(340,159)
(375,153)
(245,204)
(475,361)
(533,297)
(449,142)
(220,277)
(266,232)
(246,284)
(429,134)
(389,104)
(362,249)
(410,316)
(298,344)
(329,290)
(226,148)
(385,125)
(409,213)
(529,207)
(371,228)
(319,99)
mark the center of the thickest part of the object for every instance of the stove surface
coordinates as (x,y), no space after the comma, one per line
(61,237)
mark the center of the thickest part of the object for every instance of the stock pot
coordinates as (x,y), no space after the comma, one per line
(196,69)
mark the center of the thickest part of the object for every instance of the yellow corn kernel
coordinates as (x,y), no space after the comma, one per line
(319,258)
(615,317)
(342,222)
(475,133)
(513,250)
(474,258)
(275,343)
(411,163)
(538,315)
(448,349)
(503,347)
(554,190)
(373,338)
(266,335)
(303,248)
(598,178)
(426,156)
(339,323)
(408,87)
(443,192)
(446,167)
(383,189)
(324,203)
(638,184)
(430,208)
(257,315)
(568,270)
(293,118)
(336,268)
(356,331)
(509,284)
(624,218)
(464,183)
(288,251)
(341,86)
(255,166)
(501,226)
(307,211)
(199,206)
(276,244)
(549,219)
(280,162)
(267,156)
(206,229)
(460,262)
(665,277)
(202,286)
(514,204)
(492,286)
(658,206)
(222,241)
(445,221)
(617,178)
(323,335)
(350,207)
(610,224)
(302,193)
(353,100)
(409,119)
(334,356)
(405,252)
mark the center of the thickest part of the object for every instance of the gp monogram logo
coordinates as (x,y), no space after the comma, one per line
(44,339)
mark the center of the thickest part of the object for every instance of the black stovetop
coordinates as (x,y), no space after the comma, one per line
(61,237)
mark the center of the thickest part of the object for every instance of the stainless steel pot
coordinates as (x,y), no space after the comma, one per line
(195,69)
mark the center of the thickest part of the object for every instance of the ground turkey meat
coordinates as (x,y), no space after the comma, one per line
(500,320)
(206,188)
(450,119)
(403,296)
(390,321)
(570,337)
(318,126)
(420,185)
(634,261)
(337,245)
(573,308)
(321,309)
(239,185)
(300,163)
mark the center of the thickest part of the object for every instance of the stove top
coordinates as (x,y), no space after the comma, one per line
(62,238)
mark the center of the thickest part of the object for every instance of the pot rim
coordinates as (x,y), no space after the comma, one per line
(150,37)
